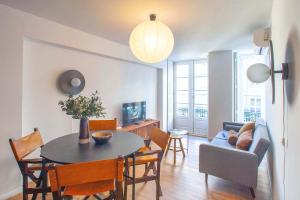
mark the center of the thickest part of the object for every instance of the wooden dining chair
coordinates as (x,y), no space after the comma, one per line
(98,125)
(88,179)
(22,148)
(151,159)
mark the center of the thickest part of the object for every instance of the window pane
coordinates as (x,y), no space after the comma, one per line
(182,97)
(201,112)
(201,97)
(182,110)
(201,83)
(258,102)
(201,69)
(182,70)
(182,83)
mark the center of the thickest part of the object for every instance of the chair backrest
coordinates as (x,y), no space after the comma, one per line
(84,173)
(159,137)
(98,125)
(25,145)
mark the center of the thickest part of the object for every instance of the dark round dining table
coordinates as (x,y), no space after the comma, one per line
(67,150)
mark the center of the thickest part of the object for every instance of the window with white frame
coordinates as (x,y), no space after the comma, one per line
(250,97)
(191,96)
(182,90)
(201,90)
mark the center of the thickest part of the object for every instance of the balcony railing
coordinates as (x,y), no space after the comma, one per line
(200,113)
(251,116)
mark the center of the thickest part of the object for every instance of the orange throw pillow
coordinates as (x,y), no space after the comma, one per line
(247,126)
(232,137)
(245,140)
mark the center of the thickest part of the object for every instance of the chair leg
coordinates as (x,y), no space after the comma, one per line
(158,188)
(133,177)
(181,147)
(38,184)
(146,166)
(99,198)
(44,179)
(252,192)
(168,147)
(119,192)
(86,197)
(125,178)
(147,169)
(154,169)
(55,195)
(174,151)
(25,186)
(206,178)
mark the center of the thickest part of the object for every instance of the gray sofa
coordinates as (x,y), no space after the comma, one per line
(219,158)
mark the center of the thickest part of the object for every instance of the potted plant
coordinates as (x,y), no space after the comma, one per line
(82,108)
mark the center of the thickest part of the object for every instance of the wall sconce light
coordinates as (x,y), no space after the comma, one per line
(260,72)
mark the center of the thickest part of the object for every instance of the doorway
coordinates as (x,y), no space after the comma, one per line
(191,96)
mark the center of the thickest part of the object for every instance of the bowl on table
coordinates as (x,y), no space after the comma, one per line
(102,137)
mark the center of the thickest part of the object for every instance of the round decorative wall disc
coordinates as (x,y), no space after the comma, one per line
(71,82)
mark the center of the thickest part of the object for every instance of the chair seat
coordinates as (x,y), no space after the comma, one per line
(176,136)
(89,188)
(140,160)
(144,148)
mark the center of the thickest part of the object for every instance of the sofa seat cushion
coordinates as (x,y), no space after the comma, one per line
(222,143)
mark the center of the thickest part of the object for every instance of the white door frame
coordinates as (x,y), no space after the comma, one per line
(189,123)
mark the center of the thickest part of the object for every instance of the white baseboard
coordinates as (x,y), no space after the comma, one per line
(11,193)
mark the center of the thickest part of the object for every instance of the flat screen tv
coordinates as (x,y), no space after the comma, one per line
(133,112)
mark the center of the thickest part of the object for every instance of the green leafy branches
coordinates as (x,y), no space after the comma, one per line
(82,107)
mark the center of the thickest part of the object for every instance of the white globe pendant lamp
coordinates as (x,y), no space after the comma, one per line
(151,41)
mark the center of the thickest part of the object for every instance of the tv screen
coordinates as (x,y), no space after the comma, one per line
(133,112)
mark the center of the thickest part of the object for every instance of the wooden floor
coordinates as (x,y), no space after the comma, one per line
(184,182)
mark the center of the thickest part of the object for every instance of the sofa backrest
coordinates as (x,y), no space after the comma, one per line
(261,141)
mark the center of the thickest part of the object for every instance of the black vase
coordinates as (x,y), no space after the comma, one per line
(84,136)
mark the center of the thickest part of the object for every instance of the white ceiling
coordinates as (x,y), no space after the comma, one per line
(199,26)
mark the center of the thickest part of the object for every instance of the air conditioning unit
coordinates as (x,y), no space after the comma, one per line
(261,39)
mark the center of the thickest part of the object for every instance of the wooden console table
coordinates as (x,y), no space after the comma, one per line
(142,129)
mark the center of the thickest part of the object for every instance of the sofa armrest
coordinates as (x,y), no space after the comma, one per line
(231,164)
(227,126)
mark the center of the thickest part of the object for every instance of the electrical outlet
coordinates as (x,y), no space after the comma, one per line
(283,142)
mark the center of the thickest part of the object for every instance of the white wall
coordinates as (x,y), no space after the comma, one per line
(286,40)
(116,81)
(110,56)
(220,90)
